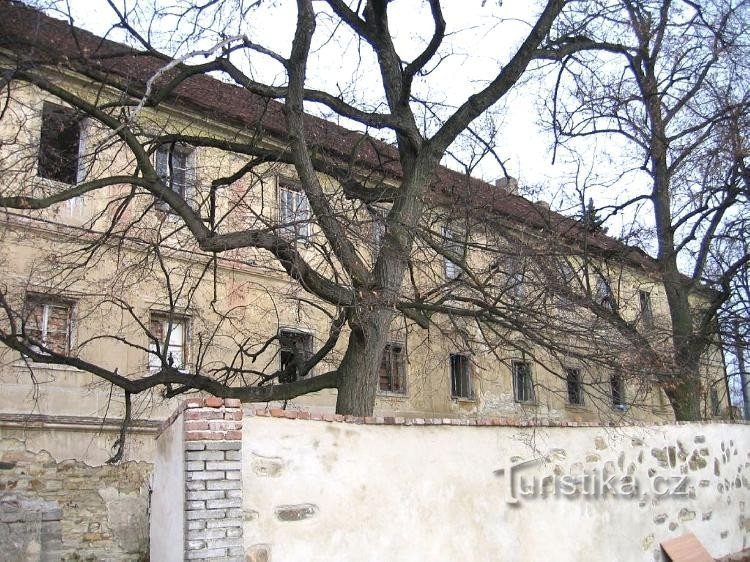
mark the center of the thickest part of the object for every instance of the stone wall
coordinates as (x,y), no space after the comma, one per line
(324,488)
(67,510)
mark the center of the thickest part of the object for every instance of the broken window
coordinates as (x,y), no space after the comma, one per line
(59,144)
(392,372)
(47,323)
(295,350)
(461,386)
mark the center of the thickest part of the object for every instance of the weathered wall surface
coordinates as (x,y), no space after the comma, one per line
(55,508)
(385,490)
(167,514)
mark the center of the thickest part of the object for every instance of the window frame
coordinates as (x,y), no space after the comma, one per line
(294,227)
(578,387)
(465,360)
(617,392)
(515,373)
(605,297)
(646,308)
(171,319)
(387,360)
(307,349)
(48,301)
(46,169)
(452,242)
(188,181)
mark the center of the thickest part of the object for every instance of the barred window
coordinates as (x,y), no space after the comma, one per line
(523,384)
(392,372)
(461,386)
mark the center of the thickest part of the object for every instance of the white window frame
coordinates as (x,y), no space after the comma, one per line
(170,152)
(175,320)
(295,214)
(453,243)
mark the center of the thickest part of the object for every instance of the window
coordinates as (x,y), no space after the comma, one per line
(392,370)
(618,392)
(461,386)
(647,314)
(516,277)
(378,216)
(295,350)
(523,385)
(294,211)
(59,144)
(453,244)
(171,332)
(173,168)
(604,294)
(48,323)
(575,386)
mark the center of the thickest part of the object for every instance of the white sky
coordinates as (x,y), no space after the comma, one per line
(482,39)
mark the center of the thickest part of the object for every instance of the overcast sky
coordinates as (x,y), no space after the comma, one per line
(482,35)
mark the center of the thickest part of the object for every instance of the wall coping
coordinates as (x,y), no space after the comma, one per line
(213,402)
(473,422)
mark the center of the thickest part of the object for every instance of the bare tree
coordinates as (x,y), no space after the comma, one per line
(393,234)
(670,80)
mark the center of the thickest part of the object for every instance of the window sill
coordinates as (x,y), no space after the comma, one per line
(530,403)
(464,399)
(391,394)
(570,406)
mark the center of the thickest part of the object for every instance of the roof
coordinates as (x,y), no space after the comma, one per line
(37,38)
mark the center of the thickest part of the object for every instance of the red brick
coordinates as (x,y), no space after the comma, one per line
(194,425)
(232,402)
(203,415)
(233,435)
(233,415)
(316,417)
(277,412)
(338,417)
(328,417)
(214,402)
(303,415)
(262,412)
(193,403)
(291,414)
(370,420)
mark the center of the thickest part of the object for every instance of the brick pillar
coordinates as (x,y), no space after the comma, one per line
(213,479)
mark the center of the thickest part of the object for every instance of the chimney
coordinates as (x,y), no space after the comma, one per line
(508,184)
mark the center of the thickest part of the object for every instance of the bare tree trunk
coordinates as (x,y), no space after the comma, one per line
(740,353)
(358,372)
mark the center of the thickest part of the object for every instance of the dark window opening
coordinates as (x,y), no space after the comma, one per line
(523,384)
(715,402)
(391,375)
(618,392)
(461,386)
(296,349)
(575,386)
(647,314)
(59,144)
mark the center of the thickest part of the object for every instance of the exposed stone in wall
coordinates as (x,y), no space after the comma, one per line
(68,510)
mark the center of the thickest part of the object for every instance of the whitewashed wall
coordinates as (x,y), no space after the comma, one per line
(322,491)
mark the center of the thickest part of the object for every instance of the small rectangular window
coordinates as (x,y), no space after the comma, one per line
(171,333)
(295,350)
(647,313)
(392,372)
(47,323)
(575,386)
(453,244)
(604,295)
(618,392)
(461,386)
(59,144)
(173,168)
(523,384)
(294,211)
